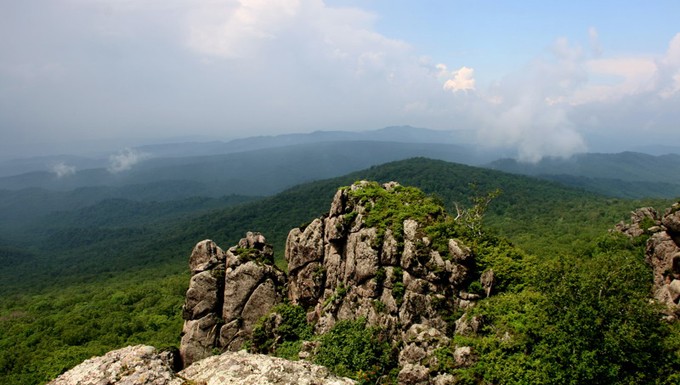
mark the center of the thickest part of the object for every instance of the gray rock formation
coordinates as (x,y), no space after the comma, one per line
(133,365)
(662,251)
(256,369)
(143,365)
(342,269)
(362,260)
(641,220)
(228,293)
(663,254)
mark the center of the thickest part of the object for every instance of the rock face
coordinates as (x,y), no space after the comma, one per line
(143,365)
(662,251)
(228,292)
(389,273)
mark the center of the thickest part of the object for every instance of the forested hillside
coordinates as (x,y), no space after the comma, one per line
(94,278)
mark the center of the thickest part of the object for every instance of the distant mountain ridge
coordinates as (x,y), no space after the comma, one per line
(266,165)
(400,134)
(628,166)
(625,174)
(256,172)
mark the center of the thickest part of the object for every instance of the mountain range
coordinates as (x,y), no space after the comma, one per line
(266,165)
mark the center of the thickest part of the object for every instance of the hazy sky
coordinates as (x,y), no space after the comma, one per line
(545,77)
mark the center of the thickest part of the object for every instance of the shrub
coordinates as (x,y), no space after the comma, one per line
(353,350)
(281,332)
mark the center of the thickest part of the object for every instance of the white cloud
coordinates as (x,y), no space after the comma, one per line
(125,159)
(61,169)
(526,109)
(237,28)
(461,79)
(613,78)
(668,72)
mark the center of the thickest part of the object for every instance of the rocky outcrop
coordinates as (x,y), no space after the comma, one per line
(341,267)
(143,365)
(662,251)
(133,365)
(228,293)
(663,254)
(641,220)
(371,257)
(256,369)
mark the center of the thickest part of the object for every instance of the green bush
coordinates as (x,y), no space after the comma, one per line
(282,338)
(583,320)
(352,349)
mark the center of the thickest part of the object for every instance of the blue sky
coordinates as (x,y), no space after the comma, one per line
(541,77)
(495,36)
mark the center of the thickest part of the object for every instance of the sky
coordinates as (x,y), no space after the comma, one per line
(545,78)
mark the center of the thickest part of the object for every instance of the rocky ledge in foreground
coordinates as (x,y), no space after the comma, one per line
(144,365)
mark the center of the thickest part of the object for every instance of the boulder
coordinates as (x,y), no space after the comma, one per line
(133,365)
(144,365)
(414,374)
(242,368)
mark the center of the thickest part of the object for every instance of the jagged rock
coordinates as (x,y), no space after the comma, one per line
(305,246)
(674,290)
(413,374)
(206,256)
(228,293)
(672,219)
(133,365)
(340,268)
(143,365)
(466,325)
(232,368)
(662,252)
(199,338)
(202,296)
(636,226)
(444,379)
(487,279)
(462,356)
(459,253)
(420,343)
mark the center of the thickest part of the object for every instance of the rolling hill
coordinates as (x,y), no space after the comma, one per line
(69,245)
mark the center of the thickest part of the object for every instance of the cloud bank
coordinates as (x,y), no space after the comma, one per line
(94,70)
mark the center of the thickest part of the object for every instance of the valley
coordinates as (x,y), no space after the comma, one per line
(81,270)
